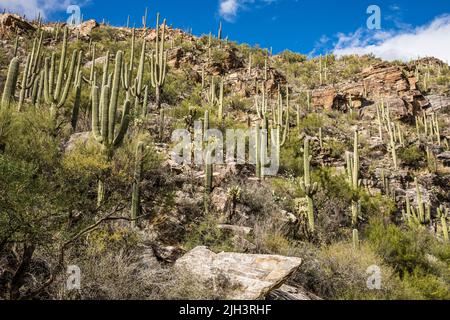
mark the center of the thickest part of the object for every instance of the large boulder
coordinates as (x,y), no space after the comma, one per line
(237,276)
(85,29)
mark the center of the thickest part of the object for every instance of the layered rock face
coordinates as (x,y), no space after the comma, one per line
(381,82)
(239,276)
(12,23)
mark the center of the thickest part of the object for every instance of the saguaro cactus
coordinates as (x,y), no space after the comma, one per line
(220,110)
(30,71)
(10,84)
(136,196)
(135,87)
(355,239)
(258,168)
(56,95)
(104,111)
(353,177)
(443,215)
(308,188)
(158,63)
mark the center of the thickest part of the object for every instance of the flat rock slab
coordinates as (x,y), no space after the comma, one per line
(238,276)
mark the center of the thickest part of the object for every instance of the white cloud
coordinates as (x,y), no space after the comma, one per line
(30,8)
(429,40)
(229,9)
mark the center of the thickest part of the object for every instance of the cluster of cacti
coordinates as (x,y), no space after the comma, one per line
(104,111)
(56,92)
(386,185)
(421,215)
(136,195)
(394,130)
(261,103)
(31,72)
(306,185)
(431,128)
(158,62)
(353,165)
(135,87)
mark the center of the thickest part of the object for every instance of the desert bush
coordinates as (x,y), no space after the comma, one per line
(411,156)
(339,271)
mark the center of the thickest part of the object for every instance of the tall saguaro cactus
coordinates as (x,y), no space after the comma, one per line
(56,94)
(30,71)
(10,84)
(308,188)
(353,177)
(136,196)
(158,63)
(104,110)
(136,86)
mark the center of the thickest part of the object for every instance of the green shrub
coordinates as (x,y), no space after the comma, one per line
(412,156)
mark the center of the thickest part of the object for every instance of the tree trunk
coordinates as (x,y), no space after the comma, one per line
(18,279)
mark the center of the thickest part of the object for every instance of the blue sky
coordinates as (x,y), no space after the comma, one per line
(307,26)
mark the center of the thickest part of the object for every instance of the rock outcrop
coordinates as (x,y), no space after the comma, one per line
(85,29)
(238,276)
(383,81)
(13,23)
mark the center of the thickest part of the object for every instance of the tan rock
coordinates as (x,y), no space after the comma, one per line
(383,81)
(247,277)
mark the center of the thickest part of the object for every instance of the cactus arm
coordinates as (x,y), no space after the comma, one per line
(145,102)
(95,115)
(123,125)
(105,70)
(62,64)
(104,99)
(76,104)
(114,96)
(65,92)
(140,73)
(51,77)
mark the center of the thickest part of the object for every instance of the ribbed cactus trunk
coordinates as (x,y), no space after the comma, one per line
(136,196)
(10,84)
(220,110)
(56,94)
(258,168)
(353,165)
(208,166)
(158,63)
(104,109)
